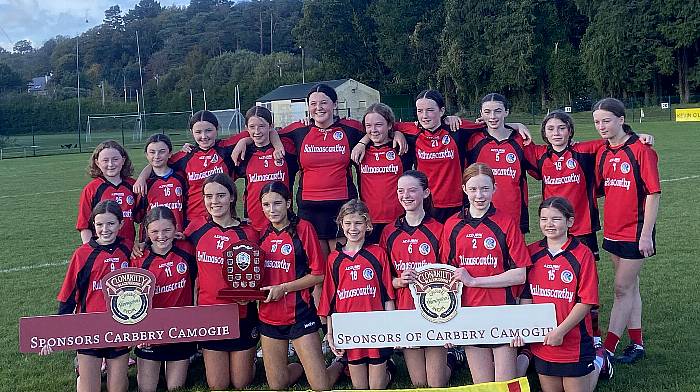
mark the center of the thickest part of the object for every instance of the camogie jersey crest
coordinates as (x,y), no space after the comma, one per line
(435,293)
(129,294)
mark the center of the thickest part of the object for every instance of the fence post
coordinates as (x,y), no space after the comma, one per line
(121,124)
(670,111)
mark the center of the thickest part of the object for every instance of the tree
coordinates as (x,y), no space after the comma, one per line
(9,79)
(23,47)
(145,9)
(113,18)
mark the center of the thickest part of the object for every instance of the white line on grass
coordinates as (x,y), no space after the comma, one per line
(31,267)
(41,193)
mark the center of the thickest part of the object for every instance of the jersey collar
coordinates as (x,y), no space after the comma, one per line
(467,217)
(632,139)
(109,248)
(571,243)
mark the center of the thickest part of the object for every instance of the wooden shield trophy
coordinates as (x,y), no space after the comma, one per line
(243,272)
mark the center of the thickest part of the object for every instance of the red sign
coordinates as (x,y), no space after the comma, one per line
(243,272)
(129,321)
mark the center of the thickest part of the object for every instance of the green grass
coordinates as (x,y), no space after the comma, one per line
(38,204)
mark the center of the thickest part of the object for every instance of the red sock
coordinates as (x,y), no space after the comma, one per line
(611,341)
(636,336)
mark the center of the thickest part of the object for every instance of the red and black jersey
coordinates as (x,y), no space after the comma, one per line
(81,291)
(485,246)
(324,159)
(627,174)
(411,247)
(440,154)
(168,191)
(101,189)
(290,254)
(359,283)
(210,241)
(509,160)
(197,165)
(571,174)
(564,279)
(175,273)
(379,174)
(260,168)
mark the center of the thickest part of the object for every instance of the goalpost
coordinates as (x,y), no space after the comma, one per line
(113,126)
(231,121)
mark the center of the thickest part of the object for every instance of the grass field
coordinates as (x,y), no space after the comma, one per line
(38,204)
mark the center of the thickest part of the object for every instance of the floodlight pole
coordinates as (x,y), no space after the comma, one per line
(143,95)
(77,71)
(303,77)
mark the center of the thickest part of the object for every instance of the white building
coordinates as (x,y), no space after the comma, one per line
(288,103)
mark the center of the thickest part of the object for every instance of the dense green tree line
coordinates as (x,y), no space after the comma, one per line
(549,52)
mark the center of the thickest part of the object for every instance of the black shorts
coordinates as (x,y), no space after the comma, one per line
(167,352)
(106,353)
(248,339)
(322,214)
(291,332)
(626,249)
(374,236)
(555,369)
(441,214)
(370,356)
(591,241)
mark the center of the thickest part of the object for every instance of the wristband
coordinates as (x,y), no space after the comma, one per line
(363,143)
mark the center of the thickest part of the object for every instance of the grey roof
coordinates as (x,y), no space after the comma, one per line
(296,91)
(38,83)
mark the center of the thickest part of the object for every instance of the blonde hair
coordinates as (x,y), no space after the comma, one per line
(354,206)
(475,169)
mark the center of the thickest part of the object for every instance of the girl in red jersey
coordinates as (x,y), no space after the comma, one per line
(413,241)
(172,263)
(351,266)
(210,156)
(226,361)
(487,247)
(165,186)
(564,273)
(294,265)
(504,150)
(81,292)
(628,173)
(380,169)
(110,168)
(260,167)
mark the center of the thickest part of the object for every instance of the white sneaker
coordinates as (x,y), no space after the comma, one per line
(290,351)
(259,354)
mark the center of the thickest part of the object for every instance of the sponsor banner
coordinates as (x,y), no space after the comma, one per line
(439,319)
(130,320)
(690,114)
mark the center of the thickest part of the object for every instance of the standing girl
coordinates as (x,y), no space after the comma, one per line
(502,148)
(380,169)
(487,247)
(81,292)
(226,361)
(110,168)
(627,171)
(172,263)
(164,187)
(293,266)
(259,167)
(565,361)
(413,241)
(352,266)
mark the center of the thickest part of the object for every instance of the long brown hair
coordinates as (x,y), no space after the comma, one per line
(94,171)
(614,106)
(224,180)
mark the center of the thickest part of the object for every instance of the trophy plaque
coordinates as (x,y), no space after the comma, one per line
(243,272)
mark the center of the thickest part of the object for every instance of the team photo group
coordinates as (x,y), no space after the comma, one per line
(345,212)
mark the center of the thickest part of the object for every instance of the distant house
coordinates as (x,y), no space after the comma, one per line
(38,85)
(288,103)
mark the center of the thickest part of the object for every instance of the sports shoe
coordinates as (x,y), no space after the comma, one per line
(290,350)
(325,347)
(606,370)
(391,370)
(456,358)
(259,353)
(631,354)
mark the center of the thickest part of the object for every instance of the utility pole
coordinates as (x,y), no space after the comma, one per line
(271,32)
(143,99)
(303,77)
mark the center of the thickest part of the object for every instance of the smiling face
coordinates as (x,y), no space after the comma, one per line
(217,200)
(479,190)
(554,224)
(377,128)
(157,154)
(429,113)
(275,208)
(161,232)
(608,125)
(110,162)
(321,108)
(494,113)
(557,133)
(259,130)
(107,227)
(355,227)
(411,194)
(204,134)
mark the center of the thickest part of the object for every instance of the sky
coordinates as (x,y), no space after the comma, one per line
(40,20)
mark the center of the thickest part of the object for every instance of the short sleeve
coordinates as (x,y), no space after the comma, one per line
(588,280)
(67,293)
(589,146)
(177,161)
(312,246)
(328,289)
(519,255)
(232,140)
(84,208)
(407,128)
(649,166)
(386,278)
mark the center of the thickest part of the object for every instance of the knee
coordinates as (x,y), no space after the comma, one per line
(622,290)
